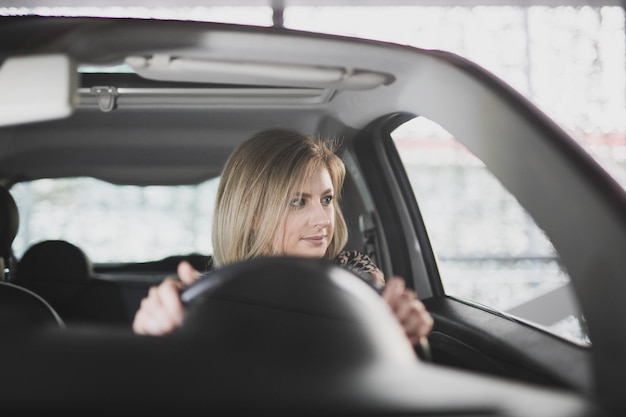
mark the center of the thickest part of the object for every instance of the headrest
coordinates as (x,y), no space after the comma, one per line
(54,261)
(9,222)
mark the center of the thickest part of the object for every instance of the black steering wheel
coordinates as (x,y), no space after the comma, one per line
(210,281)
(313,304)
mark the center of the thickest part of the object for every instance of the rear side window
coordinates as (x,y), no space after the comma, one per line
(116,223)
(489,249)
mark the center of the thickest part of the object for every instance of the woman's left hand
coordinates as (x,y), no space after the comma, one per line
(408,309)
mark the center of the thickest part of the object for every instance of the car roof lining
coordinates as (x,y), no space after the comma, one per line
(188,147)
(235,111)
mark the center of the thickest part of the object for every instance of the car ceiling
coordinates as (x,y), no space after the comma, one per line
(203,124)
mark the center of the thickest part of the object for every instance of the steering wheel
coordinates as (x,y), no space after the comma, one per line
(312,305)
(210,281)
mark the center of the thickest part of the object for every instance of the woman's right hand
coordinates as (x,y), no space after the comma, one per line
(162,310)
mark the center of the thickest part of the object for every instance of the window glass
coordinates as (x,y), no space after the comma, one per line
(489,250)
(113,223)
(569,60)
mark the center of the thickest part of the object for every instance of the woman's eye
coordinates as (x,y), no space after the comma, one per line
(297,202)
(327,200)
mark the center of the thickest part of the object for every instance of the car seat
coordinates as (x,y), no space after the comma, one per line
(63,274)
(9,222)
(57,270)
(20,308)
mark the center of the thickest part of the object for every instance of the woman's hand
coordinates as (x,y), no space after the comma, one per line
(162,311)
(410,312)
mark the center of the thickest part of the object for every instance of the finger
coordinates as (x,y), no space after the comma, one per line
(150,318)
(147,319)
(413,317)
(172,307)
(393,291)
(138,321)
(404,307)
(421,322)
(161,311)
(426,321)
(187,273)
(414,337)
(413,327)
(419,311)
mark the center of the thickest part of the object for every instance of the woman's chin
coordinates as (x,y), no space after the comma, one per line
(316,253)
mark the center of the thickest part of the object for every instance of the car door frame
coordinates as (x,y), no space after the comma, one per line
(465,335)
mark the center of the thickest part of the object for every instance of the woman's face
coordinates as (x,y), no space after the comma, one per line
(308,229)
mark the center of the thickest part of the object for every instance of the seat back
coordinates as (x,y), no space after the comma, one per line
(9,223)
(54,260)
(57,270)
(20,309)
(61,273)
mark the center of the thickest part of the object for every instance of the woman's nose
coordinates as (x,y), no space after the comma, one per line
(320,216)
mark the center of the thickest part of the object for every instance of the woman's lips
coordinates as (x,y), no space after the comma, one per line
(315,240)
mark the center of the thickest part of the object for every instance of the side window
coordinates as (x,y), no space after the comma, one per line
(488,248)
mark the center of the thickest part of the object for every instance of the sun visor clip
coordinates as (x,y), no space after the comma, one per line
(106,97)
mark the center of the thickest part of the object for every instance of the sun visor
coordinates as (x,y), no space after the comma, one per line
(37,88)
(166,68)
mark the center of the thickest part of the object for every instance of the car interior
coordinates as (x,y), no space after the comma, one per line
(259,339)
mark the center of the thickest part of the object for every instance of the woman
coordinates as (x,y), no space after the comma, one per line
(277,197)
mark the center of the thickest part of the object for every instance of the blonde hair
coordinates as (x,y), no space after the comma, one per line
(258,181)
